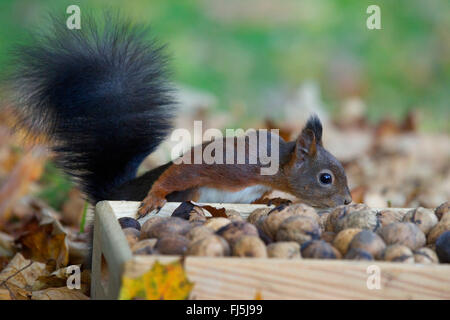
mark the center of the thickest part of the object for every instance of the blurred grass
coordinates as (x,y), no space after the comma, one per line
(243,52)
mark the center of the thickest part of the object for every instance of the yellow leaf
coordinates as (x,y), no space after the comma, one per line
(162,282)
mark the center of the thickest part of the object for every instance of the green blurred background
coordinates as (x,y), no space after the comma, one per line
(252,54)
(247,52)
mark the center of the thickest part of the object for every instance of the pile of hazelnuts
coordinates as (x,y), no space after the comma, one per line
(296,231)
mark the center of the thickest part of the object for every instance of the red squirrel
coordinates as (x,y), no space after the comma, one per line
(102,96)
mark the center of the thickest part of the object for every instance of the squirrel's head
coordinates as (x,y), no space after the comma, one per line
(315,176)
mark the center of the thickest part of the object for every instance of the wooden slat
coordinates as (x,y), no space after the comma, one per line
(110,241)
(129,209)
(245,278)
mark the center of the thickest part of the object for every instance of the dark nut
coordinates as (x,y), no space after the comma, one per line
(328,236)
(389,216)
(132,235)
(363,219)
(299,229)
(127,222)
(172,244)
(442,209)
(404,233)
(234,215)
(199,232)
(284,250)
(443,247)
(212,246)
(250,246)
(425,219)
(256,214)
(344,238)
(440,228)
(425,255)
(340,212)
(144,246)
(236,229)
(358,254)
(319,249)
(148,225)
(398,253)
(368,241)
(216,223)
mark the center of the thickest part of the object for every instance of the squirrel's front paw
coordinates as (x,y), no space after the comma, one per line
(150,203)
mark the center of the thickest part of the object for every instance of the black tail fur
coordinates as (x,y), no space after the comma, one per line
(100,93)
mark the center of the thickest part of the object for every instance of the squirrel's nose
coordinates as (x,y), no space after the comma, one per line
(348,199)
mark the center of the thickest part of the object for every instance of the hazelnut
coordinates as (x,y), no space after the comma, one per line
(362,219)
(144,246)
(344,238)
(216,223)
(299,229)
(425,255)
(358,254)
(340,212)
(328,236)
(236,229)
(172,225)
(199,232)
(210,246)
(149,224)
(303,210)
(234,215)
(388,216)
(319,249)
(250,246)
(442,209)
(127,222)
(404,233)
(274,218)
(440,228)
(284,250)
(323,217)
(425,219)
(132,235)
(174,244)
(256,214)
(368,241)
(398,253)
(443,247)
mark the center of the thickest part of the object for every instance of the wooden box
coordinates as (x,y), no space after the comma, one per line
(247,278)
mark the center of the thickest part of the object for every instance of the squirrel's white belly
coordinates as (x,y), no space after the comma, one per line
(246,195)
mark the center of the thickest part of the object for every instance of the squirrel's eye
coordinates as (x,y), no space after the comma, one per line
(325,178)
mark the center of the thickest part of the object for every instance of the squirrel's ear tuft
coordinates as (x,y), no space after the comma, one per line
(306,144)
(315,126)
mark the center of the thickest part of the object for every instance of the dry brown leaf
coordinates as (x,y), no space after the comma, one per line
(5,294)
(29,169)
(41,244)
(62,293)
(22,272)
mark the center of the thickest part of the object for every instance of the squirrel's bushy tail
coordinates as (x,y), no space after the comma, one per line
(100,94)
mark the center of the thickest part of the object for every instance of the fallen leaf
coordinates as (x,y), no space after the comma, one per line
(21,272)
(42,245)
(62,293)
(215,212)
(162,282)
